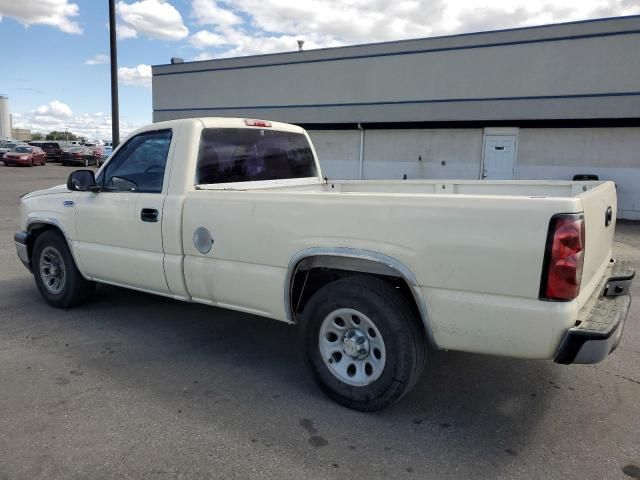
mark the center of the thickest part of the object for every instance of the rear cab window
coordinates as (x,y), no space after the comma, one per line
(230,155)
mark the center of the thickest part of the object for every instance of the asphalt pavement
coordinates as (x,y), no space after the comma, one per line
(137,386)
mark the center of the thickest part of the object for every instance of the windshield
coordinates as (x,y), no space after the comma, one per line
(241,155)
(22,149)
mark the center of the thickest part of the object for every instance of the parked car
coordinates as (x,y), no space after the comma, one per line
(7,147)
(79,155)
(106,153)
(53,150)
(372,271)
(96,149)
(25,155)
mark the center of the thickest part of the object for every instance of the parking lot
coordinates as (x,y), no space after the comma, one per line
(137,386)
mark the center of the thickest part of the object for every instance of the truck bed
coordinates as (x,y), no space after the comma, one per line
(519,188)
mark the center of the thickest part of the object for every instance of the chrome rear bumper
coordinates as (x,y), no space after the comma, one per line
(600,324)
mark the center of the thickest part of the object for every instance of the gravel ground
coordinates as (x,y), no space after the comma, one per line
(137,386)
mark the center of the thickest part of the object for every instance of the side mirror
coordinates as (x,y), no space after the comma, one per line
(82,181)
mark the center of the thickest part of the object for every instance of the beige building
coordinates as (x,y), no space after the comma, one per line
(23,134)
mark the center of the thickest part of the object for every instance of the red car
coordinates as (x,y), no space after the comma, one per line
(96,149)
(25,155)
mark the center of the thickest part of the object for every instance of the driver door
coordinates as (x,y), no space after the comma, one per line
(119,229)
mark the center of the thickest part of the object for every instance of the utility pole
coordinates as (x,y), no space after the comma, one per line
(115,115)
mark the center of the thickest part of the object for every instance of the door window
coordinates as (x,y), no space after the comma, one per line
(139,165)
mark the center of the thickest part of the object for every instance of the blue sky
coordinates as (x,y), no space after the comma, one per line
(45,64)
(48,42)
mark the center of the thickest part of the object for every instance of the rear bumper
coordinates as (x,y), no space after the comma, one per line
(21,240)
(77,161)
(600,323)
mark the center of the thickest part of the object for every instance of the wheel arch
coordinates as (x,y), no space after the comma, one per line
(351,260)
(36,226)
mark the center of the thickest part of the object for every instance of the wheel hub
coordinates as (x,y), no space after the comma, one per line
(355,344)
(52,270)
(352,347)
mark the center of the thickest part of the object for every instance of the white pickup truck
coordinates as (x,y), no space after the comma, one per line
(236,213)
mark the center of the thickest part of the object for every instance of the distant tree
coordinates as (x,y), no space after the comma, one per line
(57,135)
(37,136)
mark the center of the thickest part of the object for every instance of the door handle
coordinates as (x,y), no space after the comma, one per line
(149,215)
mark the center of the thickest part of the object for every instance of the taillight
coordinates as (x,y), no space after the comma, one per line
(563,258)
(249,122)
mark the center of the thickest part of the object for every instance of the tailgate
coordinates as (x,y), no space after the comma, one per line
(599,205)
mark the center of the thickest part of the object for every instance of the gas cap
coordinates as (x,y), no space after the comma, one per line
(202,240)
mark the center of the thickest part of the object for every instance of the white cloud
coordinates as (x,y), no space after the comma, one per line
(55,109)
(136,76)
(209,12)
(99,59)
(206,39)
(152,18)
(90,125)
(238,43)
(245,27)
(125,32)
(57,13)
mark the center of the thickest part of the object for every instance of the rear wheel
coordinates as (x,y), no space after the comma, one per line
(56,274)
(363,343)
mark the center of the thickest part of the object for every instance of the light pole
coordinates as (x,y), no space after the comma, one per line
(115,121)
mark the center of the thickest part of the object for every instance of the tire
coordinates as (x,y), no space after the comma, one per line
(386,324)
(50,256)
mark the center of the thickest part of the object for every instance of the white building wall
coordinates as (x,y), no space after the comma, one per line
(417,153)
(339,153)
(542,153)
(422,153)
(610,153)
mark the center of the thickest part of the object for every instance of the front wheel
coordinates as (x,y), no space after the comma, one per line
(362,342)
(56,274)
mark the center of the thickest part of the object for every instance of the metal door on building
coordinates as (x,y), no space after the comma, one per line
(499,157)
